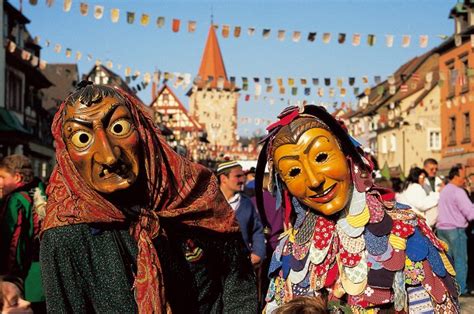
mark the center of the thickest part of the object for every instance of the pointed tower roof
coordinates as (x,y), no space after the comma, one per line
(212,63)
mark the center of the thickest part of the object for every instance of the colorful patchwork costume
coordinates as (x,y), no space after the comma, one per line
(374,254)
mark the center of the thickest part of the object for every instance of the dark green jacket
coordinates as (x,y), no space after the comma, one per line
(90,269)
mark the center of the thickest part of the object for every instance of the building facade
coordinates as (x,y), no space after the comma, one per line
(213,99)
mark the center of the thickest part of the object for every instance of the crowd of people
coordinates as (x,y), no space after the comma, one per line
(128,225)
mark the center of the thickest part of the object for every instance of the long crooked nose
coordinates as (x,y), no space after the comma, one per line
(314,179)
(104,152)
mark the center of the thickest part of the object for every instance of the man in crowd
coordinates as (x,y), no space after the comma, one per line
(455,210)
(20,216)
(432,182)
(231,181)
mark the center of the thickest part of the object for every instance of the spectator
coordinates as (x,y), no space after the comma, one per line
(414,195)
(249,187)
(304,305)
(11,296)
(455,212)
(432,182)
(23,210)
(397,184)
(231,180)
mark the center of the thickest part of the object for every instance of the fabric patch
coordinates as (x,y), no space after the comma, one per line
(396,262)
(296,276)
(402,229)
(323,232)
(399,291)
(381,278)
(353,288)
(372,263)
(285,265)
(316,282)
(351,245)
(381,228)
(426,230)
(435,260)
(333,273)
(357,202)
(377,296)
(359,220)
(450,284)
(414,272)
(348,229)
(358,273)
(317,256)
(447,264)
(433,284)
(417,249)
(274,265)
(306,230)
(403,215)
(349,259)
(300,252)
(375,245)
(402,206)
(386,255)
(419,300)
(376,208)
(397,242)
(299,291)
(298,264)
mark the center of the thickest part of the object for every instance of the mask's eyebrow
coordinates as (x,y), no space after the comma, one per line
(108,115)
(85,123)
(306,150)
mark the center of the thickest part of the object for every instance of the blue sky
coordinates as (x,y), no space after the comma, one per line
(147,48)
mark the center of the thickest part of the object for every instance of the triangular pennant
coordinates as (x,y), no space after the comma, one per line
(33,2)
(269,88)
(320,92)
(355,40)
(175,25)
(251,31)
(294,91)
(377,79)
(423,41)
(312,36)
(303,81)
(371,39)
(145,19)
(109,64)
(282,90)
(326,38)
(332,92)
(160,22)
(406,40)
(49,3)
(191,26)
(258,89)
(280,81)
(380,90)
(356,91)
(268,80)
(266,33)
(57,48)
(296,36)
(115,15)
(225,31)
(327,81)
(83,8)
(98,11)
(67,5)
(389,41)
(351,81)
(68,52)
(237,30)
(339,82)
(307,91)
(315,81)
(130,17)
(291,82)
(341,38)
(281,35)
(78,55)
(342,91)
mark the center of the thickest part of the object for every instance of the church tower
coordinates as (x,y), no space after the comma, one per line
(213,99)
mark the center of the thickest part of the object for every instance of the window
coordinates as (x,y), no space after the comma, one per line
(467,127)
(393,142)
(452,78)
(452,131)
(14,91)
(383,145)
(434,139)
(463,81)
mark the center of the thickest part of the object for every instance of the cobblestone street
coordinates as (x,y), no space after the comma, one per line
(467,305)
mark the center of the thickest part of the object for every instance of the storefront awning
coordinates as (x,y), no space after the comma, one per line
(10,123)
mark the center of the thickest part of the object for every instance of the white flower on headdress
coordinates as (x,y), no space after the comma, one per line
(369,291)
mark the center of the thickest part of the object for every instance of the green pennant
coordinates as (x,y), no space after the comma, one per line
(380,90)
(385,171)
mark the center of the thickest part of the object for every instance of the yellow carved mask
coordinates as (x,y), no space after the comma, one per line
(315,171)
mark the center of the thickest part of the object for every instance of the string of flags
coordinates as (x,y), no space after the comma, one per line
(177,25)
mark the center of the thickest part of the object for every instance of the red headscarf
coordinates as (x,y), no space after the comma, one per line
(178,188)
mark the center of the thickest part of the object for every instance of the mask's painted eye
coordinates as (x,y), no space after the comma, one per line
(322,157)
(121,127)
(294,172)
(81,139)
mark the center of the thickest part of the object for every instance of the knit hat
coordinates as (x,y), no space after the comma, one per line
(227,165)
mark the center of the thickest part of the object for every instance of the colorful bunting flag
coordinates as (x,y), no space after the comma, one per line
(175,25)
(423,41)
(312,36)
(68,52)
(371,39)
(67,5)
(389,40)
(237,31)
(78,55)
(266,33)
(281,35)
(191,26)
(296,36)
(145,19)
(130,17)
(355,40)
(326,38)
(115,15)
(160,22)
(98,11)
(225,31)
(83,8)
(315,81)
(341,38)
(406,40)
(57,48)
(251,31)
